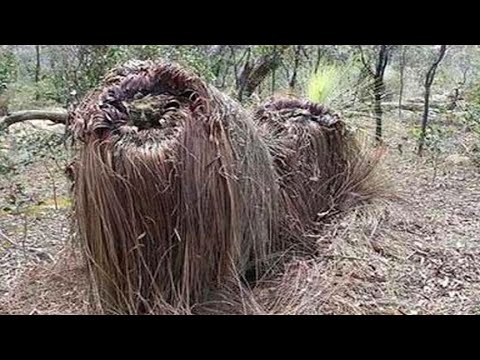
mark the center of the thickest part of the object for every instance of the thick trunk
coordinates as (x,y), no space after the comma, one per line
(254,74)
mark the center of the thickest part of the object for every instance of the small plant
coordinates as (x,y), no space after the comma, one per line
(16,198)
(21,150)
(335,85)
(8,74)
(471,121)
(8,69)
(322,83)
(435,141)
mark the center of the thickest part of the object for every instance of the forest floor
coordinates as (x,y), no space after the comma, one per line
(418,255)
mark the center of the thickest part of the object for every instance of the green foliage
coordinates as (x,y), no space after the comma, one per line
(8,74)
(260,50)
(322,83)
(333,83)
(8,68)
(436,138)
(472,118)
(20,149)
(190,56)
(24,148)
(472,111)
(16,198)
(80,68)
(23,95)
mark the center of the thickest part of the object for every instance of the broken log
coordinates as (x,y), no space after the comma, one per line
(56,116)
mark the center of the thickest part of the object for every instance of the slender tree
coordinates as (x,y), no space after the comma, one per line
(37,71)
(403,61)
(296,64)
(428,85)
(377,74)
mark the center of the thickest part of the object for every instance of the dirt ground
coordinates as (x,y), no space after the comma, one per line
(418,255)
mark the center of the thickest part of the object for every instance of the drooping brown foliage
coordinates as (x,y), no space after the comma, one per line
(174,190)
(179,191)
(321,167)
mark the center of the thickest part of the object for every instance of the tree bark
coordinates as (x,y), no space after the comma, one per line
(377,108)
(428,84)
(57,116)
(37,72)
(293,79)
(402,76)
(273,85)
(379,85)
(319,57)
(254,73)
(239,81)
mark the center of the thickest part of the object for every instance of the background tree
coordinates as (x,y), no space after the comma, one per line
(428,84)
(381,56)
(255,71)
(37,71)
(403,61)
(8,74)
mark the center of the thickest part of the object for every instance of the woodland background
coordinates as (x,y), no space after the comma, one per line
(422,102)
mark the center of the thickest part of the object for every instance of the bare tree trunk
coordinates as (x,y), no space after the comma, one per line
(240,78)
(428,84)
(402,79)
(272,90)
(229,63)
(319,57)
(379,86)
(296,63)
(358,93)
(274,73)
(224,77)
(383,57)
(37,72)
(456,96)
(255,72)
(377,108)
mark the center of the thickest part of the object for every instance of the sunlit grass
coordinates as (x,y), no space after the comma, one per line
(322,84)
(335,84)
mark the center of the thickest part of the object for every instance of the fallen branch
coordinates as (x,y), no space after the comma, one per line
(40,253)
(56,116)
(10,241)
(391,106)
(415,107)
